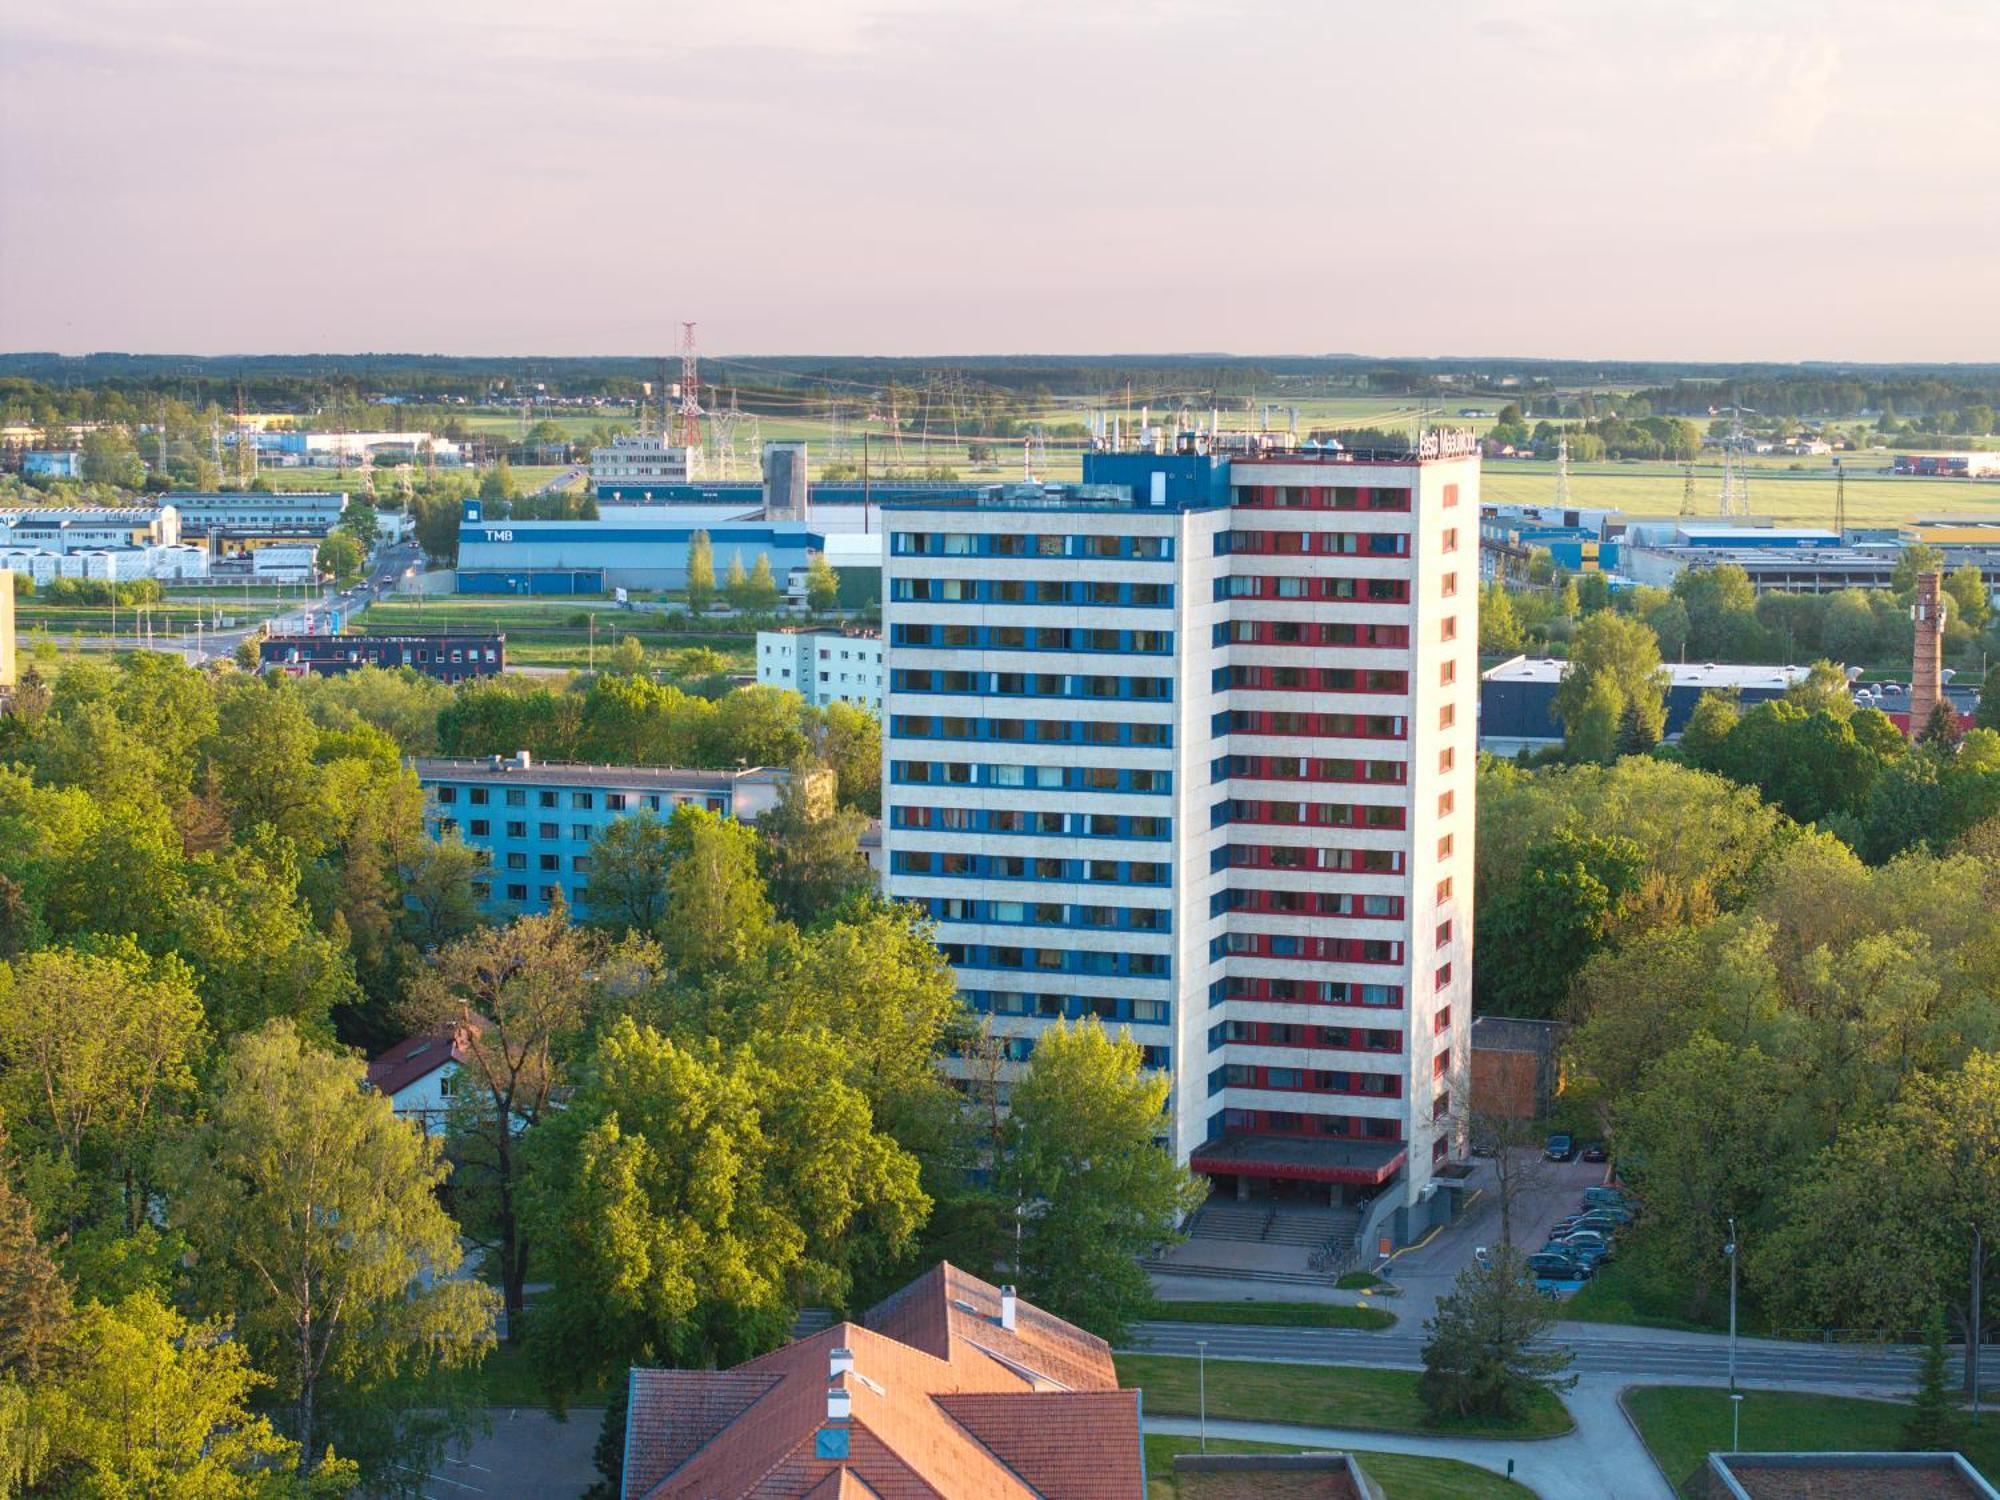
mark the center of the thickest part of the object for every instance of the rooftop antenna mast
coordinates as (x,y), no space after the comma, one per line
(1562,471)
(1839,500)
(690,408)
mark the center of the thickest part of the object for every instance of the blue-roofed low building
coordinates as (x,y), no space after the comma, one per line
(1578,540)
(1517,698)
(645,548)
(535,821)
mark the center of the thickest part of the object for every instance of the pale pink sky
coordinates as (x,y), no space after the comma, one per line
(1772,179)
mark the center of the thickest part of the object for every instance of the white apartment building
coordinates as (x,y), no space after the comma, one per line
(823,666)
(1190,748)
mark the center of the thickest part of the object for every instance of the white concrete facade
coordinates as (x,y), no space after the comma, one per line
(823,666)
(636,459)
(1327,850)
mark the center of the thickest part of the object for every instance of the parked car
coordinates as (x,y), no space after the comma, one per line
(1587,1240)
(1551,1267)
(1559,1148)
(1617,1213)
(1609,1197)
(1578,1255)
(1594,1151)
(1576,1223)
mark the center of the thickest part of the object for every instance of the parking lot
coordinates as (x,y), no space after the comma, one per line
(527,1455)
(1546,1191)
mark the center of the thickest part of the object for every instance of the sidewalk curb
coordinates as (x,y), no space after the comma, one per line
(1632,1422)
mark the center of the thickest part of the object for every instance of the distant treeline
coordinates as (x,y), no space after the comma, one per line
(44,386)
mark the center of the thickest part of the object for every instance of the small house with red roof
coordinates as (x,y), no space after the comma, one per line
(419,1073)
(951,1389)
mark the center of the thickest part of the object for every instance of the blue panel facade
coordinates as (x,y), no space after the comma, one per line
(537,838)
(560,582)
(1194,481)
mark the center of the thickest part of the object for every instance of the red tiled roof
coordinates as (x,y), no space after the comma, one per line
(946,1304)
(417,1057)
(946,1405)
(1061,1443)
(672,1414)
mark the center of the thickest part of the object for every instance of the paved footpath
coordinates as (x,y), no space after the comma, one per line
(1602,1460)
(1639,1355)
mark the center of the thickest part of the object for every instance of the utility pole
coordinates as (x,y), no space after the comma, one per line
(1839,500)
(1730,1251)
(1201,1381)
(1973,1334)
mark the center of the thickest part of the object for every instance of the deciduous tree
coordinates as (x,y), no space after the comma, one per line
(100,1044)
(700,573)
(822,584)
(156,1404)
(1093,1189)
(690,1195)
(312,1215)
(516,999)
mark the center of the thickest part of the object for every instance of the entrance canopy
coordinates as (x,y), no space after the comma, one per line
(1300,1158)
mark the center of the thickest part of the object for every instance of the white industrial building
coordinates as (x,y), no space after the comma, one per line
(281,564)
(76,528)
(1190,748)
(108,564)
(252,513)
(823,666)
(637,461)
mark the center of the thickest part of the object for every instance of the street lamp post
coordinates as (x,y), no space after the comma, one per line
(1736,1422)
(1201,1383)
(1730,1251)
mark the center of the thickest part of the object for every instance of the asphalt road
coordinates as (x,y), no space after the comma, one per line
(1600,1349)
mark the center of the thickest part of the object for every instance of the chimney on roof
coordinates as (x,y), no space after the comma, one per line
(839,1363)
(1007,1308)
(839,1404)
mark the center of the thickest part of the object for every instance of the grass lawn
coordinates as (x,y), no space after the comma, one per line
(1628,1290)
(507,1379)
(1684,1424)
(555,632)
(1317,1396)
(1799,497)
(1280,1314)
(1400,1476)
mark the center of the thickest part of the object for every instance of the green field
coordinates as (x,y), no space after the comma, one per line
(526,477)
(1401,1476)
(1317,1396)
(557,632)
(1682,1425)
(1803,497)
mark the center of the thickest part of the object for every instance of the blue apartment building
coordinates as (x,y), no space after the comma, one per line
(535,822)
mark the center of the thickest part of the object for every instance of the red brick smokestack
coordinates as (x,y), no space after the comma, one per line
(1927,668)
